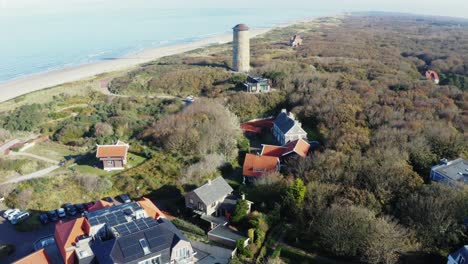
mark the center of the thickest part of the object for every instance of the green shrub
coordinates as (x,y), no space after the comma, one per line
(6,250)
(188,227)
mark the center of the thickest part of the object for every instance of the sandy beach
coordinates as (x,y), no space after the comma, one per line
(21,86)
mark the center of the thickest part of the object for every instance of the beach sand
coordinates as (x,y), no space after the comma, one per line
(21,86)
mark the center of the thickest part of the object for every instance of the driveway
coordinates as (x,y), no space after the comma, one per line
(22,240)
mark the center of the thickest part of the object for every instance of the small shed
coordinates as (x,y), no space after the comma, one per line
(257,85)
(113,157)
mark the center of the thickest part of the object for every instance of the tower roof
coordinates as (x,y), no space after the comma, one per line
(241,27)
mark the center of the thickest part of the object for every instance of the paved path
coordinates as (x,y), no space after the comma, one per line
(34,156)
(37,174)
(8,145)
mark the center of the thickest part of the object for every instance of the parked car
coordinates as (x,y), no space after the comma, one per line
(19,218)
(125,198)
(88,205)
(12,215)
(44,242)
(70,209)
(44,218)
(52,215)
(9,212)
(108,199)
(80,208)
(61,213)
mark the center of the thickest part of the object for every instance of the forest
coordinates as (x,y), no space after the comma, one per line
(357,85)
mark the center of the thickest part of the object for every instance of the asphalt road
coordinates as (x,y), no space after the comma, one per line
(22,240)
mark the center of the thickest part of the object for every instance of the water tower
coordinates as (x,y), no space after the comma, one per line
(241,48)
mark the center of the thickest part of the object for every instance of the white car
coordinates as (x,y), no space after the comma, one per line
(19,218)
(61,212)
(9,212)
(14,214)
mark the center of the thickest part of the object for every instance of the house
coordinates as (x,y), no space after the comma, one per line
(298,147)
(101,204)
(452,173)
(295,41)
(286,128)
(208,198)
(255,166)
(257,85)
(459,257)
(135,232)
(113,157)
(433,76)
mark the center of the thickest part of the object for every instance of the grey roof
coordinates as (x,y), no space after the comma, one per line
(214,191)
(455,170)
(160,237)
(287,124)
(462,252)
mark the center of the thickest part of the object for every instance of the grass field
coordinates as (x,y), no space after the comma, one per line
(53,150)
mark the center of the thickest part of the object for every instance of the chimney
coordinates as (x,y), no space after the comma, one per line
(284,111)
(291,115)
(209,182)
(243,196)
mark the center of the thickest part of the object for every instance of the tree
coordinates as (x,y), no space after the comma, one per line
(25,118)
(103,130)
(240,212)
(436,212)
(297,190)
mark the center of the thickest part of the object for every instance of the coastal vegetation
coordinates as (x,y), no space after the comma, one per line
(357,86)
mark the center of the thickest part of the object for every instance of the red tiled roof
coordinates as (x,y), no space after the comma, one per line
(256,126)
(300,147)
(118,150)
(66,234)
(101,204)
(38,257)
(256,166)
(274,151)
(150,208)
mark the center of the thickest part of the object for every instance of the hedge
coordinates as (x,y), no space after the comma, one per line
(188,227)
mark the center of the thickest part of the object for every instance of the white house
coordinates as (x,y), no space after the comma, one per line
(286,128)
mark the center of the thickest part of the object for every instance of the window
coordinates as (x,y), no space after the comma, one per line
(110,162)
(144,246)
(153,260)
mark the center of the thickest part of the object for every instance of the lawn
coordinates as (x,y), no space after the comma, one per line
(53,150)
(134,160)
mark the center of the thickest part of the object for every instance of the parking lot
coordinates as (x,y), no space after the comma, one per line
(23,241)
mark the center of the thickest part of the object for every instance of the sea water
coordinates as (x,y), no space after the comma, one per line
(44,39)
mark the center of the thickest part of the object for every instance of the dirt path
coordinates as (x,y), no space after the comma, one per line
(8,145)
(34,156)
(34,175)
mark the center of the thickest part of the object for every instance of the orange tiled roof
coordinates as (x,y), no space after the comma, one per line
(38,257)
(273,151)
(300,146)
(256,166)
(150,208)
(100,205)
(119,150)
(66,234)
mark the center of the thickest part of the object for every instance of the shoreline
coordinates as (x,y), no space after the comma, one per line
(24,85)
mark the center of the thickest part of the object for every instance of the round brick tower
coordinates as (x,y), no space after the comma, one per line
(241,48)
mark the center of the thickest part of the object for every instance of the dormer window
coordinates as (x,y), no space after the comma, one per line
(144,246)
